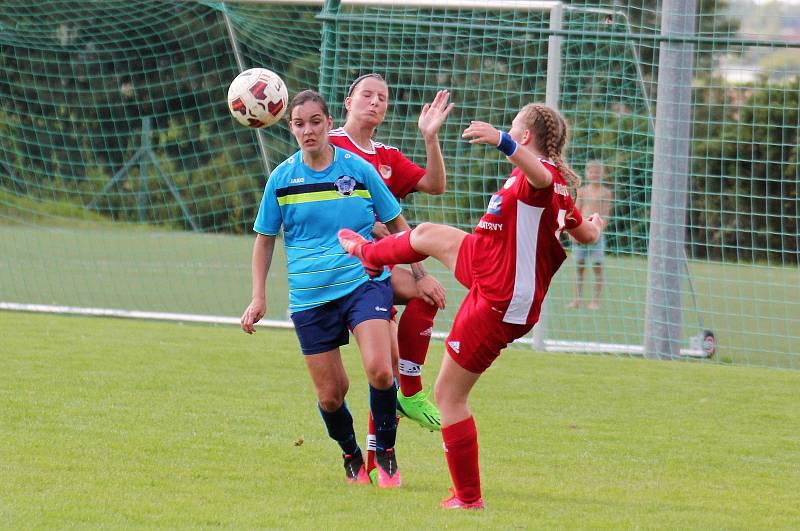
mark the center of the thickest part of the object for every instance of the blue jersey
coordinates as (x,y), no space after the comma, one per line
(312,206)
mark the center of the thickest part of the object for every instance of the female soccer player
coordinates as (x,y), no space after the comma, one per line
(507,264)
(366,103)
(312,194)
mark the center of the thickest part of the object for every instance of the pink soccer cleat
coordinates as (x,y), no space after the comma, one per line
(352,242)
(356,472)
(454,502)
(388,473)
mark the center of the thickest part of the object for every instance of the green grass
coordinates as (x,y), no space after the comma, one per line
(754,310)
(119,423)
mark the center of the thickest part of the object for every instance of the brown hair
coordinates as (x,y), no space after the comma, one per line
(304,97)
(551,133)
(359,79)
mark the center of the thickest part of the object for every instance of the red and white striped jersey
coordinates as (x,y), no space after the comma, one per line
(400,174)
(517,249)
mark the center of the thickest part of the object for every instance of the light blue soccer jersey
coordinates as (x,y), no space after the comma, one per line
(312,206)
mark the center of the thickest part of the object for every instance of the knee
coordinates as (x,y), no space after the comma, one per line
(331,398)
(380,377)
(330,403)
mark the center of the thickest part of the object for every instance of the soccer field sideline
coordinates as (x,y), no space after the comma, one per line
(113,422)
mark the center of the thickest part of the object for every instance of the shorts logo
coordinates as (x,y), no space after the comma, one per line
(494,204)
(428,332)
(345,185)
(380,309)
(455,345)
(386,171)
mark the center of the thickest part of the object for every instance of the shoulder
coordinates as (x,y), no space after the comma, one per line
(386,148)
(285,168)
(353,161)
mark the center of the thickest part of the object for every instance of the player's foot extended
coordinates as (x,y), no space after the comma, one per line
(354,469)
(352,242)
(388,473)
(453,502)
(574,304)
(420,409)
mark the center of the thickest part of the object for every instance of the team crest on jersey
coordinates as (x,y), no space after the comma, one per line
(385,171)
(345,185)
(494,204)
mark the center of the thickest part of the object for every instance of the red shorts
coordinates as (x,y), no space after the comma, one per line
(478,333)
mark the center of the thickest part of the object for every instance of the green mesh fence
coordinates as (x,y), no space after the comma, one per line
(125,184)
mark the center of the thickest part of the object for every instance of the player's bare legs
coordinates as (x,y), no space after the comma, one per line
(459,434)
(439,241)
(331,385)
(579,274)
(598,286)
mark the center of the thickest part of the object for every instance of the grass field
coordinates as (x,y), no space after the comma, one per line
(119,423)
(754,310)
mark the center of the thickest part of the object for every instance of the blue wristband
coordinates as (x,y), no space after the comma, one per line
(507,144)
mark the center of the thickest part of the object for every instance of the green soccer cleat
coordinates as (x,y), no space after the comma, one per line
(420,409)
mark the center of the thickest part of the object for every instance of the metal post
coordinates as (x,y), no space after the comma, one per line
(327,63)
(551,99)
(237,53)
(665,252)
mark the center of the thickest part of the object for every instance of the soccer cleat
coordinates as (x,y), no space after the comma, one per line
(388,473)
(454,502)
(352,242)
(420,409)
(354,469)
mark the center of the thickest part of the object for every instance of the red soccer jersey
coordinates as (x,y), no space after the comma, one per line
(400,174)
(517,249)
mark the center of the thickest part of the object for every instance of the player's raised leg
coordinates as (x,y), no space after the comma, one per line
(427,239)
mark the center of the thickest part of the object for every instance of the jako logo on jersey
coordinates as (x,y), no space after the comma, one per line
(345,185)
(386,171)
(510,182)
(560,189)
(455,345)
(298,180)
(494,204)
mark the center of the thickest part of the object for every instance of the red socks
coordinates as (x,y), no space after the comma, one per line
(461,450)
(413,337)
(370,444)
(394,249)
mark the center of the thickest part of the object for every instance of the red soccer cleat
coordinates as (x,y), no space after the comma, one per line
(454,502)
(352,242)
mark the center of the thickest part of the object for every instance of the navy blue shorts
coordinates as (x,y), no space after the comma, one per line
(327,327)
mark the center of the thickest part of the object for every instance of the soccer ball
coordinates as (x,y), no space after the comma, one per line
(257,98)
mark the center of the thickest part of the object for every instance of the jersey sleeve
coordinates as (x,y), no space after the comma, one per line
(573,218)
(405,175)
(386,206)
(269,218)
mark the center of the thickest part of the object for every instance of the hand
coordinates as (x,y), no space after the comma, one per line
(434,114)
(597,221)
(481,133)
(431,291)
(253,314)
(380,231)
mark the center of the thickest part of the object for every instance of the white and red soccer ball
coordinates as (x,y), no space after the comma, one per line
(257,98)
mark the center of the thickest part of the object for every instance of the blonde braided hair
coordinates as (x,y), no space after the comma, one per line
(551,133)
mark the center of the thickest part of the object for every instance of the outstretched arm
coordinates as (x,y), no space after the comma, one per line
(430,121)
(522,157)
(262,259)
